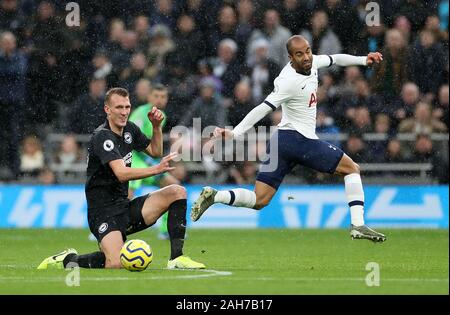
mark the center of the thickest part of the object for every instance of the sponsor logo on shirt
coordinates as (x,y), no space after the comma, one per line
(127,158)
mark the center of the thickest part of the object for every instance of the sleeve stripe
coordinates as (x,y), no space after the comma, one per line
(331,60)
(271,105)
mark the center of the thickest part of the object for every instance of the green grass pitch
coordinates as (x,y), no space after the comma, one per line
(278,261)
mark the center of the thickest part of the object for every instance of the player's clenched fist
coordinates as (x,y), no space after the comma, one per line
(374,57)
(164,165)
(155,116)
(223,133)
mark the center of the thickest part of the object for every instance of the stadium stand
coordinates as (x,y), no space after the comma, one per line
(392,119)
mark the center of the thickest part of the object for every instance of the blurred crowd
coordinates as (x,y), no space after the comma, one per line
(218,59)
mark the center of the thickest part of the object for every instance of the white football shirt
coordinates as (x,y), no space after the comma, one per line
(297,95)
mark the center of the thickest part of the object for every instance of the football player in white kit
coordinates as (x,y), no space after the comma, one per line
(295,90)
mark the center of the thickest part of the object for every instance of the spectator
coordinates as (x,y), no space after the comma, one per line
(391,74)
(205,71)
(116,32)
(164,13)
(47,30)
(141,92)
(360,96)
(382,124)
(182,88)
(423,122)
(295,14)
(103,68)
(322,39)
(402,24)
(242,104)
(46,177)
(11,17)
(226,66)
(245,27)
(372,39)
(441,106)
(245,11)
(415,11)
(432,24)
(121,56)
(356,148)
(424,152)
(277,36)
(263,70)
(404,108)
(325,126)
(362,122)
(378,147)
(394,153)
(141,26)
(189,41)
(225,28)
(207,107)
(199,10)
(31,155)
(12,97)
(69,153)
(345,23)
(134,72)
(427,64)
(161,44)
(87,111)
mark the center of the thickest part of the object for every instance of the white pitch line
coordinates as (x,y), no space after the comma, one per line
(217,273)
(341,279)
(207,273)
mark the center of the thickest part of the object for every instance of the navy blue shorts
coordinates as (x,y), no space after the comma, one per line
(293,149)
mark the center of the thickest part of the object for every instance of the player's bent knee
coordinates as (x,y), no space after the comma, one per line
(179,192)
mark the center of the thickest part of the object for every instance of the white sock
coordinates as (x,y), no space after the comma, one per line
(355,197)
(238,197)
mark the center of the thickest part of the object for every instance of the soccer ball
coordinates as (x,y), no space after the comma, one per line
(136,255)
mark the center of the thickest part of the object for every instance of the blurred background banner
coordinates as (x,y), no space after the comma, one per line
(294,206)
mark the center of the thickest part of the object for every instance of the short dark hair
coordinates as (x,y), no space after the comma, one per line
(159,87)
(117,90)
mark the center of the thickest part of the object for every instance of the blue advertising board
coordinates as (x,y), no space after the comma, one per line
(291,207)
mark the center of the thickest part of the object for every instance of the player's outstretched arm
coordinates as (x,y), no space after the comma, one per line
(350,60)
(255,115)
(155,148)
(124,173)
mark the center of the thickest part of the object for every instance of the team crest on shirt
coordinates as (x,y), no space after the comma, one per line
(108,145)
(103,228)
(127,137)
